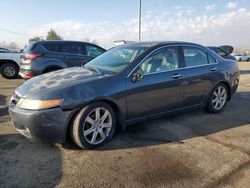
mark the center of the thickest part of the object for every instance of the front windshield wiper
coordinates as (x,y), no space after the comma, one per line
(92,69)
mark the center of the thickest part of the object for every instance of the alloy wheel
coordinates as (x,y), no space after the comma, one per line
(219,97)
(9,71)
(97,126)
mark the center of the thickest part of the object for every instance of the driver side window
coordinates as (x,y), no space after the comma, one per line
(162,60)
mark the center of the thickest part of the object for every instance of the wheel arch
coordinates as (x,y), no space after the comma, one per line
(120,121)
(228,88)
(3,61)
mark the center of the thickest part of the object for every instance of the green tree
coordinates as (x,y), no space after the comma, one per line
(35,38)
(52,35)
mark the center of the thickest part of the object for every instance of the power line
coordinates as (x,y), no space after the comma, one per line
(13,32)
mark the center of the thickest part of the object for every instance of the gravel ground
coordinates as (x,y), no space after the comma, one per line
(193,149)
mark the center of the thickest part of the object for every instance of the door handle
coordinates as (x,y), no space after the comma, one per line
(175,76)
(213,69)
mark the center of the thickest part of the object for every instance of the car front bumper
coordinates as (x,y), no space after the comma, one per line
(43,125)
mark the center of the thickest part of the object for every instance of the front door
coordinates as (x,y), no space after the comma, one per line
(158,87)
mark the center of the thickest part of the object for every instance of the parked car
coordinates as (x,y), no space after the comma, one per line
(224,51)
(3,50)
(127,84)
(47,56)
(9,63)
(241,56)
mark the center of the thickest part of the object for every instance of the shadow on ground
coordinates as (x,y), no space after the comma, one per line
(2,100)
(3,110)
(27,164)
(245,72)
(178,128)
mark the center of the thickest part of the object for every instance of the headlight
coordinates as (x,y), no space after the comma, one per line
(38,104)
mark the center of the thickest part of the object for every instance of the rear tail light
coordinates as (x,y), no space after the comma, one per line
(31,57)
(28,75)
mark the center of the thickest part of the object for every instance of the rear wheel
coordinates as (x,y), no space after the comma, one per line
(93,126)
(218,98)
(9,70)
(248,59)
(240,59)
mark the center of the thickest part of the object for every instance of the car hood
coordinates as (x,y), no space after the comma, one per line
(41,86)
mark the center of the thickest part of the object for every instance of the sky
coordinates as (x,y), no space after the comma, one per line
(207,22)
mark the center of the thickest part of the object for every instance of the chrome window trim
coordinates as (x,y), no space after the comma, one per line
(178,69)
(173,45)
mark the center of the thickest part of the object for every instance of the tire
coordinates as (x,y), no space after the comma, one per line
(9,70)
(87,130)
(248,59)
(215,104)
(240,60)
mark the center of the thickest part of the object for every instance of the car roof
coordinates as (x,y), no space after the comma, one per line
(161,43)
(64,41)
(60,41)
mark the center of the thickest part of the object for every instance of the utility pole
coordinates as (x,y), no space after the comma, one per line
(139,21)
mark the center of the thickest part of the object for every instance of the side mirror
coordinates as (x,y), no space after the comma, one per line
(138,75)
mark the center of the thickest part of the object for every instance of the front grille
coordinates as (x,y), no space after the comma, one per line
(14,99)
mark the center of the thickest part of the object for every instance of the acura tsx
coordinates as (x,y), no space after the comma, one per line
(126,84)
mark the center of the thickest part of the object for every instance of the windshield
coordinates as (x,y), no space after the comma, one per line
(116,59)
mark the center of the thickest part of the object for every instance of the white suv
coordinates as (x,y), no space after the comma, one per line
(9,63)
(241,56)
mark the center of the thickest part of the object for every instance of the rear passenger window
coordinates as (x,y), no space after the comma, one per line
(53,47)
(93,50)
(73,48)
(194,56)
(69,48)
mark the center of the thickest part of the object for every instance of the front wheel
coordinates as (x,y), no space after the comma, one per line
(218,98)
(94,125)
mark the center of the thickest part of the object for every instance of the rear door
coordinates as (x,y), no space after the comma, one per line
(201,71)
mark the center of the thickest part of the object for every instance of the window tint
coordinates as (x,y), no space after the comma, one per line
(162,60)
(73,48)
(70,48)
(93,50)
(53,47)
(194,56)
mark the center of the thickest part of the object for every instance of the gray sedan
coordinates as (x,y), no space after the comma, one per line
(127,84)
